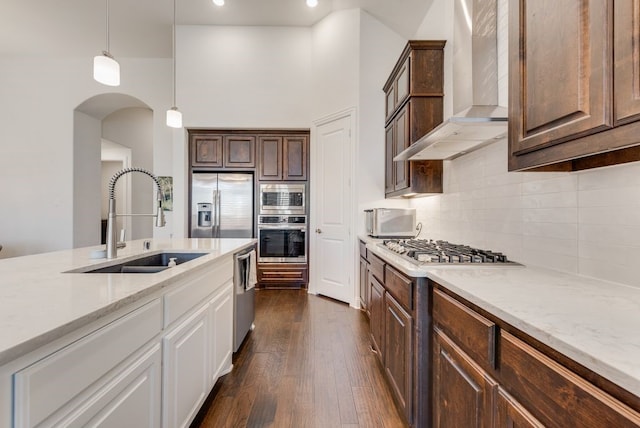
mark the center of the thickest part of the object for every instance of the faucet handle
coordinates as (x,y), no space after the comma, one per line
(123,233)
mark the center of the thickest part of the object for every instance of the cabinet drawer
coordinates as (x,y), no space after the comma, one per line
(475,334)
(399,286)
(363,249)
(555,395)
(195,290)
(49,384)
(282,274)
(376,266)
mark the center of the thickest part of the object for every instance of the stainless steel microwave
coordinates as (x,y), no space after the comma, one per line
(282,198)
(391,222)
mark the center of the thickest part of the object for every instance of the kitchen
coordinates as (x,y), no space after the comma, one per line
(582,223)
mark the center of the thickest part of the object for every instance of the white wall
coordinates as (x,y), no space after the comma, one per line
(379,51)
(39,96)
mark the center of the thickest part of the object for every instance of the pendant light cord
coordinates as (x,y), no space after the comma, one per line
(173,49)
(107,23)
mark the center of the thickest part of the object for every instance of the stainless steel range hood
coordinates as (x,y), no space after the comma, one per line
(480,120)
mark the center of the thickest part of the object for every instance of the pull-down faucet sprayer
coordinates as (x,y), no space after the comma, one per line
(112,251)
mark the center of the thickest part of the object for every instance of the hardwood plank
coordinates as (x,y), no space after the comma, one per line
(306,364)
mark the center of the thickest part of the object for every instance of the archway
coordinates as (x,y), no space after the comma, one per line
(124,120)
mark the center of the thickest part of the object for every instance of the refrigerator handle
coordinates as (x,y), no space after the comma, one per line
(218,209)
(214,217)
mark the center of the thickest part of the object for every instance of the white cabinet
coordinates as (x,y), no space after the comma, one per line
(186,364)
(71,384)
(221,326)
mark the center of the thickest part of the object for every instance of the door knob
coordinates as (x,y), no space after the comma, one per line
(318,231)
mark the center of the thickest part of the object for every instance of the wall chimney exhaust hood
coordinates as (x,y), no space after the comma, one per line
(480,120)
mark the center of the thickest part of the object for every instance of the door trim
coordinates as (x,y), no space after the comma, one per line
(351,115)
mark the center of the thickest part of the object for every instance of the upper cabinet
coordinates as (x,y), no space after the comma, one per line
(283,157)
(275,155)
(574,84)
(413,106)
(223,151)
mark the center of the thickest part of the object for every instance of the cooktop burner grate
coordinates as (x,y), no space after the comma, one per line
(430,251)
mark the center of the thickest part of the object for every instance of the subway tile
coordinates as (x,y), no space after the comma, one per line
(618,196)
(609,271)
(550,200)
(564,183)
(565,263)
(627,175)
(566,247)
(609,232)
(550,215)
(567,231)
(627,216)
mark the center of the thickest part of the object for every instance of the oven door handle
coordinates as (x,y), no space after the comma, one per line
(283,227)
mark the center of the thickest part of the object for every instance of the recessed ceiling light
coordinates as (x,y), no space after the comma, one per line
(312,3)
(218,2)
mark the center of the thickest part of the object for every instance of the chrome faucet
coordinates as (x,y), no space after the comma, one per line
(112,250)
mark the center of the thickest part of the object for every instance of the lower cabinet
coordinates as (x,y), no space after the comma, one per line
(398,353)
(522,387)
(152,366)
(392,332)
(186,364)
(364,285)
(283,275)
(462,391)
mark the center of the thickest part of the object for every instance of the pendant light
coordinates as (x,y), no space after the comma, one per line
(174,117)
(312,3)
(106,70)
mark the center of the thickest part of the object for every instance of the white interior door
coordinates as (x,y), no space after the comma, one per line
(331,260)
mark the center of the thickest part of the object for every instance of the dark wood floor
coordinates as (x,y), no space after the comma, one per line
(306,364)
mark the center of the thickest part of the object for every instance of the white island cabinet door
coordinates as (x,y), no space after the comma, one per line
(221,326)
(185,374)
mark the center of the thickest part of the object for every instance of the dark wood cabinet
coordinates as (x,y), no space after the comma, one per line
(574,101)
(239,151)
(376,314)
(462,392)
(530,385)
(282,275)
(283,158)
(414,106)
(364,280)
(206,150)
(398,353)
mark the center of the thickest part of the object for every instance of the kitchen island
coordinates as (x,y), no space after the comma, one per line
(59,326)
(590,326)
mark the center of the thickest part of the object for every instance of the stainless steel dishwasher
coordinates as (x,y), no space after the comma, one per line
(244,281)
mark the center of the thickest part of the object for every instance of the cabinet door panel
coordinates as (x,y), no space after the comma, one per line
(221,328)
(559,73)
(206,150)
(627,60)
(185,369)
(376,311)
(398,354)
(270,158)
(364,286)
(402,141)
(463,392)
(511,414)
(239,151)
(295,158)
(389,171)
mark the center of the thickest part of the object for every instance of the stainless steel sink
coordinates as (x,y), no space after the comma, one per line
(146,264)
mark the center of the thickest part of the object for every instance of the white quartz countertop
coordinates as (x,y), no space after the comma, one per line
(596,323)
(39,302)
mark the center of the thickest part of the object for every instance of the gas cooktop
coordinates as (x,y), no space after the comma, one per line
(428,251)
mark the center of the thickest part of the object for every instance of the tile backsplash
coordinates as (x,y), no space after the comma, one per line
(586,223)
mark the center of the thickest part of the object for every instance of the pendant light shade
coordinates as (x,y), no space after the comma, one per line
(174,117)
(312,3)
(106,69)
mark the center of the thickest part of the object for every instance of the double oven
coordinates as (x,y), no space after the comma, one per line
(282,224)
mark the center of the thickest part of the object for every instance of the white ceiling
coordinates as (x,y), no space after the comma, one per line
(142,28)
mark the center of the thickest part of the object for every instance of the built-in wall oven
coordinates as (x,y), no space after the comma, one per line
(282,238)
(282,198)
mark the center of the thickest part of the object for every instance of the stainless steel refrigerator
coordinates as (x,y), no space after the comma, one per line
(221,205)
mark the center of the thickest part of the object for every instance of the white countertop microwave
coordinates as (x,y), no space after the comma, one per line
(391,222)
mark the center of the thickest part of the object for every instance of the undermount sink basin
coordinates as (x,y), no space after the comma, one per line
(146,264)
